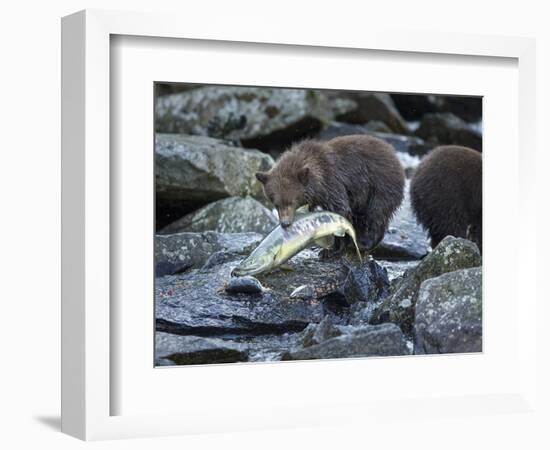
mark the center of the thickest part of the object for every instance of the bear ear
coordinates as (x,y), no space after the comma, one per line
(262,177)
(303,175)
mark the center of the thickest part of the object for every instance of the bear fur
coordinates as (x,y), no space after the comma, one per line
(356,176)
(446,193)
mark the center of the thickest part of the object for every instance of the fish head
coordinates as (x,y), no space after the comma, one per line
(256,263)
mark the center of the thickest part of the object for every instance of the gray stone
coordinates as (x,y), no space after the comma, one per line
(405,239)
(175,253)
(370,340)
(403,144)
(446,129)
(269,113)
(196,302)
(201,169)
(373,106)
(414,106)
(448,315)
(316,333)
(467,108)
(451,254)
(184,350)
(244,285)
(230,215)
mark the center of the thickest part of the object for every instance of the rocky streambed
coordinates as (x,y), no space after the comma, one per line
(405,299)
(376,308)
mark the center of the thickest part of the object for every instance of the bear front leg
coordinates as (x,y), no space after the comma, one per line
(372,227)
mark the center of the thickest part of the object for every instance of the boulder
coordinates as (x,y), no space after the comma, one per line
(373,106)
(230,215)
(183,350)
(197,303)
(405,239)
(414,106)
(315,333)
(176,253)
(448,315)
(411,145)
(451,254)
(446,129)
(257,117)
(200,170)
(370,340)
(467,108)
(353,283)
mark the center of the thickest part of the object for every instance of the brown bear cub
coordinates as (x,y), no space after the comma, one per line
(357,176)
(446,193)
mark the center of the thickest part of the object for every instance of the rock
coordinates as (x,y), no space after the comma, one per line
(196,303)
(467,108)
(174,88)
(446,129)
(244,285)
(373,106)
(230,215)
(451,254)
(411,145)
(371,340)
(316,333)
(271,115)
(377,126)
(182,350)
(448,315)
(199,170)
(355,282)
(396,269)
(175,253)
(405,239)
(413,107)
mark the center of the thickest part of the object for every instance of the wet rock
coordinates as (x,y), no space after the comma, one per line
(371,340)
(174,88)
(405,239)
(467,108)
(412,145)
(316,333)
(199,169)
(176,253)
(414,106)
(446,129)
(373,106)
(271,115)
(183,350)
(451,254)
(355,282)
(196,303)
(244,285)
(449,313)
(230,215)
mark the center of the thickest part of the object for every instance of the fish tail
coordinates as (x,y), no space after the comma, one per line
(351,233)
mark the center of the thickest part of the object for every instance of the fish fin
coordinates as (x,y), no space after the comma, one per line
(325,242)
(302,210)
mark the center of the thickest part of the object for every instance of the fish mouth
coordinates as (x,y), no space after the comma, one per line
(242,272)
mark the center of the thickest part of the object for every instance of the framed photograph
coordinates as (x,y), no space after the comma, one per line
(259,225)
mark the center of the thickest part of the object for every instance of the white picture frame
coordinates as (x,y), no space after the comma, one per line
(88,327)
